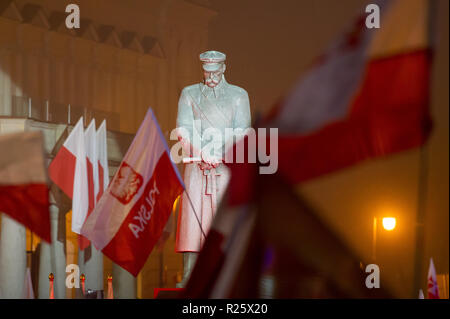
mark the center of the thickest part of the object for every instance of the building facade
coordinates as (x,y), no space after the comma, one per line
(124,58)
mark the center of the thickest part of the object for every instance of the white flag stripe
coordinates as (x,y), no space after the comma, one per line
(102,152)
(313,101)
(76,145)
(91,153)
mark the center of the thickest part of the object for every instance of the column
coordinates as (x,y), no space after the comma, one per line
(5,83)
(69,87)
(58,252)
(92,268)
(13,258)
(124,283)
(18,74)
(52,259)
(45,267)
(20,58)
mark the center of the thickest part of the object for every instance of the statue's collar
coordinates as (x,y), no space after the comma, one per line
(216,92)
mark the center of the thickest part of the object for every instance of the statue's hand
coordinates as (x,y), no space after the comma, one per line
(211,162)
(204,165)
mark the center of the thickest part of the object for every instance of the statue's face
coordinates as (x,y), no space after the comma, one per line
(212,79)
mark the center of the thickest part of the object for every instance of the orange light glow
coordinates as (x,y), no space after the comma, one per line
(389,223)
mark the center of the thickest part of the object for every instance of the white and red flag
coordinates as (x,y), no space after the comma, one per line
(131,215)
(102,156)
(68,170)
(90,142)
(366,97)
(23,181)
(433,288)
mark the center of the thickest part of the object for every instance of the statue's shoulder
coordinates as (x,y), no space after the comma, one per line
(190,88)
(237,91)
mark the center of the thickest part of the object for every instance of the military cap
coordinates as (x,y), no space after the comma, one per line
(212,60)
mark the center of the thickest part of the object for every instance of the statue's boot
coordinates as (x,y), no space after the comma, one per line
(189,260)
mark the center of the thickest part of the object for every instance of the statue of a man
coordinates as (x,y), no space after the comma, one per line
(205,110)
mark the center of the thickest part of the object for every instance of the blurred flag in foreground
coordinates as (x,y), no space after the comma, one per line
(281,238)
(131,215)
(367,96)
(68,170)
(433,288)
(23,181)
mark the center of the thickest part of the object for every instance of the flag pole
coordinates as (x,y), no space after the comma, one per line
(195,213)
(423,174)
(420,219)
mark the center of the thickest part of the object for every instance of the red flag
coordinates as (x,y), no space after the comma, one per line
(23,182)
(433,288)
(130,216)
(68,170)
(221,256)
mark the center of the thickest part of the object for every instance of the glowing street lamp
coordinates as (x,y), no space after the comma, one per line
(389,223)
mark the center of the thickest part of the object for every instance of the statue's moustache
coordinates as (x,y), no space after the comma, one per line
(211,82)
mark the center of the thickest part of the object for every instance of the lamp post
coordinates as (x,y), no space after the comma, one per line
(374,239)
(389,224)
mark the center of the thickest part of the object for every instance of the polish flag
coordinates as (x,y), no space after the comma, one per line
(130,216)
(102,156)
(90,141)
(68,170)
(433,288)
(23,181)
(366,97)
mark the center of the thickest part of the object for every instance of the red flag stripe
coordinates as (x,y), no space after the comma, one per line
(390,114)
(157,201)
(28,204)
(62,170)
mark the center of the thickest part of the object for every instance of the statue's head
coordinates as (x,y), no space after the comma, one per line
(213,67)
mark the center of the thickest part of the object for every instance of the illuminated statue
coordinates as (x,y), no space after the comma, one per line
(205,110)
